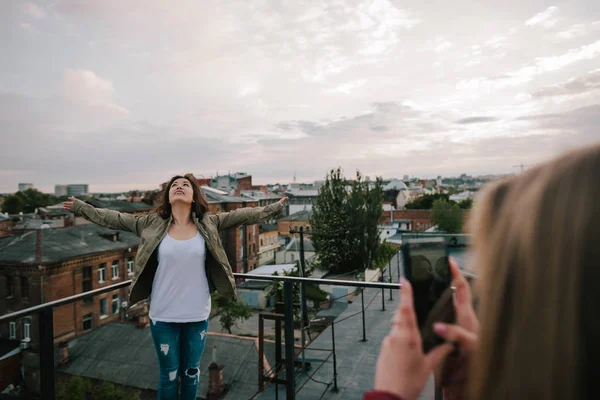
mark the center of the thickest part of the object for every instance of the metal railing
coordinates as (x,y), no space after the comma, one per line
(46,322)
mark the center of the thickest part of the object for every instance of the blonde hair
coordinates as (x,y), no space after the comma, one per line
(537,254)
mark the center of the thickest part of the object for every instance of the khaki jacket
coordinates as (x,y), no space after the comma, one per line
(152,228)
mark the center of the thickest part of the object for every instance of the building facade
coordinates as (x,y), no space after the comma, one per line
(268,244)
(50,264)
(295,222)
(24,186)
(77,190)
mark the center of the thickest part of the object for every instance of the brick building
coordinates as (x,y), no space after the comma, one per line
(419,219)
(241,244)
(232,183)
(269,244)
(295,221)
(49,264)
(5,225)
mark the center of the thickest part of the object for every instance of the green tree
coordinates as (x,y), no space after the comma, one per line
(13,204)
(345,222)
(373,210)
(333,227)
(385,253)
(426,201)
(447,216)
(231,311)
(27,201)
(466,204)
(109,391)
(76,388)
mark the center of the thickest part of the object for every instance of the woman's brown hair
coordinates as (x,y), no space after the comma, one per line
(537,254)
(199,206)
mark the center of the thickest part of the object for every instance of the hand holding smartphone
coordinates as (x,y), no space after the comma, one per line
(426,267)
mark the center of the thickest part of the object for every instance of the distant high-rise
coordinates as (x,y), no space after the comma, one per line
(405,178)
(25,186)
(71,190)
(77,190)
(60,190)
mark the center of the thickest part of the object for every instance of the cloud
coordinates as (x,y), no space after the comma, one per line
(348,87)
(441,45)
(576,86)
(547,18)
(540,66)
(34,11)
(250,89)
(476,120)
(574,31)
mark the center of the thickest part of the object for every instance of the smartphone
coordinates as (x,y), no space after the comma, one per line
(426,267)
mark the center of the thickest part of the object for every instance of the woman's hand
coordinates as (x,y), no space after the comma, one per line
(402,368)
(283,200)
(69,204)
(466,329)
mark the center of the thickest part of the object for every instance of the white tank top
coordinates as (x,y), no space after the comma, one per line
(180,291)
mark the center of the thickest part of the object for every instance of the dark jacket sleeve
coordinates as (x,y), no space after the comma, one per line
(379,395)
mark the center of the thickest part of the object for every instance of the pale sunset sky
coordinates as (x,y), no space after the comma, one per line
(123,94)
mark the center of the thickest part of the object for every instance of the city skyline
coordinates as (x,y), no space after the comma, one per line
(117,96)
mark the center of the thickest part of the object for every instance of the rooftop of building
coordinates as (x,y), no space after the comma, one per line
(264,228)
(294,245)
(57,245)
(33,224)
(121,205)
(303,215)
(124,354)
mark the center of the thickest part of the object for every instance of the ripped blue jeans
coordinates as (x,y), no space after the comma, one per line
(179,347)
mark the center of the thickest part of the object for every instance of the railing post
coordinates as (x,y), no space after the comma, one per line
(382,292)
(46,331)
(398,262)
(390,272)
(362,302)
(261,352)
(288,295)
(335,386)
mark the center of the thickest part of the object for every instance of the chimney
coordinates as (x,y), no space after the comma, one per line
(216,386)
(38,246)
(116,237)
(63,353)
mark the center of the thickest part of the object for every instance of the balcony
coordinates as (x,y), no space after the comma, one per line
(337,361)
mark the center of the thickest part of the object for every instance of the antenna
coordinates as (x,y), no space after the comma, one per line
(522,166)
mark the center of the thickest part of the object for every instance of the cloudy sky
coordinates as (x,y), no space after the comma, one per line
(123,94)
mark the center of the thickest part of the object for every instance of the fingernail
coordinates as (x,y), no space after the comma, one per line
(439,328)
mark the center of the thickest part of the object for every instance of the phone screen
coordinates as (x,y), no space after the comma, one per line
(426,268)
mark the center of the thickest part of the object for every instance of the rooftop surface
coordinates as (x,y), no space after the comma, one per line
(62,244)
(299,216)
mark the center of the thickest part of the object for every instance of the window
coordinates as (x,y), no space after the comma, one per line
(24,287)
(10,288)
(12,330)
(103,308)
(87,322)
(26,329)
(292,257)
(87,284)
(261,242)
(115,269)
(130,266)
(115,304)
(102,273)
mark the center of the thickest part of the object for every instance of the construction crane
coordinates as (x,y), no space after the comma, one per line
(522,166)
